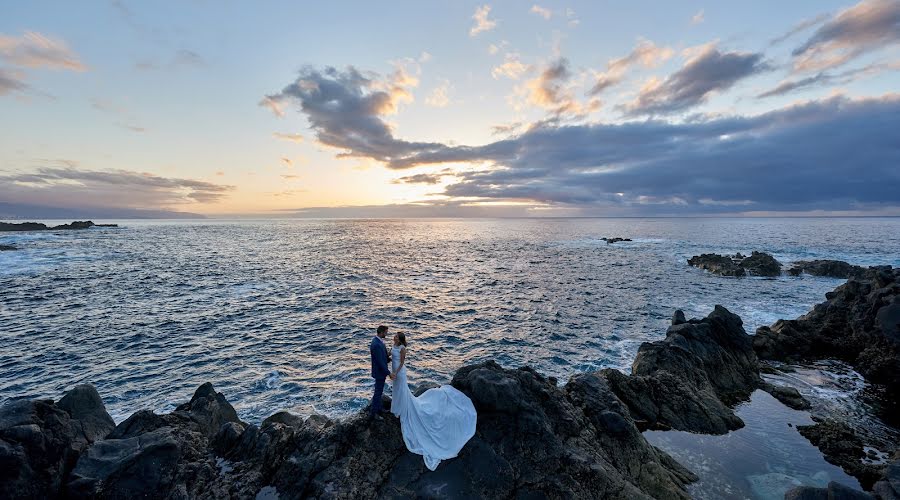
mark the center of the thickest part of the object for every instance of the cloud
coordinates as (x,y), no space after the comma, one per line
(346,110)
(698,17)
(541,11)
(287,162)
(73,187)
(645,53)
(572,17)
(511,68)
(551,91)
(835,154)
(482,22)
(708,71)
(799,27)
(182,58)
(420,179)
(288,137)
(34,50)
(10,82)
(824,78)
(440,96)
(866,27)
(289,177)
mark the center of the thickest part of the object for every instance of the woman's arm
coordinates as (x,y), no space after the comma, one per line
(402,360)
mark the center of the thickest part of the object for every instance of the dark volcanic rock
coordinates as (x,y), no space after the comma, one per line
(858,323)
(888,486)
(842,447)
(717,264)
(615,240)
(830,268)
(4,248)
(78,224)
(687,381)
(678,317)
(22,226)
(40,441)
(761,264)
(834,491)
(36,226)
(757,264)
(156,456)
(534,439)
(790,396)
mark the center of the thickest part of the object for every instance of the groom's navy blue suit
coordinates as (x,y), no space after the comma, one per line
(379,371)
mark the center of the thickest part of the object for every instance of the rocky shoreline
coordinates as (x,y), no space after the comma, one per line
(764,264)
(38,226)
(535,439)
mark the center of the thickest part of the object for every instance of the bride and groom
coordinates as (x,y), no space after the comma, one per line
(436,424)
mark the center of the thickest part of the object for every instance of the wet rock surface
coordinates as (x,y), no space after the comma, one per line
(757,264)
(615,240)
(843,447)
(858,323)
(6,248)
(829,268)
(688,381)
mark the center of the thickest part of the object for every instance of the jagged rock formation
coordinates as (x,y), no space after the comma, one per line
(829,268)
(615,240)
(757,264)
(533,439)
(858,323)
(689,380)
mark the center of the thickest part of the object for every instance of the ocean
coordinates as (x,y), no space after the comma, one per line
(277,314)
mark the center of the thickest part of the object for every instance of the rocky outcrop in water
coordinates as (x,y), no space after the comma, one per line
(37,226)
(757,264)
(615,240)
(717,264)
(6,248)
(829,268)
(858,323)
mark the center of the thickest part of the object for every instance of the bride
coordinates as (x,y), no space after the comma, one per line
(436,424)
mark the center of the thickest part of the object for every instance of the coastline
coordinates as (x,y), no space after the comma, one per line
(534,438)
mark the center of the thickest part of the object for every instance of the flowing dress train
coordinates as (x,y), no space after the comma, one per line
(438,423)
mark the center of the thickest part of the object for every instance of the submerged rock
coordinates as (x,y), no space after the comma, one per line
(834,491)
(4,248)
(829,268)
(842,447)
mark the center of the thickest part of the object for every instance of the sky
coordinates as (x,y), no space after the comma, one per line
(373,109)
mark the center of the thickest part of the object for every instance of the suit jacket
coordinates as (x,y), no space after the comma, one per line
(378,350)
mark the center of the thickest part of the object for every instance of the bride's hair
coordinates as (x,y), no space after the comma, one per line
(402,338)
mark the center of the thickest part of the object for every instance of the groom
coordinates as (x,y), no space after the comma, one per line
(378,350)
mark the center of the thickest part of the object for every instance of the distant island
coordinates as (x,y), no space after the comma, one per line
(37,226)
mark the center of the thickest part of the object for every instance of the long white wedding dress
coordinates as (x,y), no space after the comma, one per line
(438,423)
